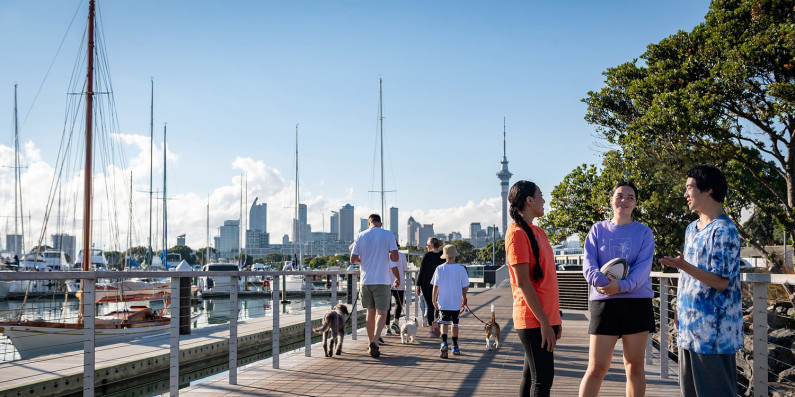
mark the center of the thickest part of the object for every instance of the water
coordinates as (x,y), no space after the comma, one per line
(206,312)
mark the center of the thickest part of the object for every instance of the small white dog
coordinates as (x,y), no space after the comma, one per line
(408,331)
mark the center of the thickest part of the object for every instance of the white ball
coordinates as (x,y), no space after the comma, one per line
(617,267)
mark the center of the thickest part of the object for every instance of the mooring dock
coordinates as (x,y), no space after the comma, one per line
(416,369)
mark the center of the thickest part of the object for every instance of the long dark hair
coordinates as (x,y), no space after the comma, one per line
(517,197)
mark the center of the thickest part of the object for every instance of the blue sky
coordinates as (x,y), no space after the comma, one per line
(232,79)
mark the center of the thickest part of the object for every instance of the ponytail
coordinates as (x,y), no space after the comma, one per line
(517,197)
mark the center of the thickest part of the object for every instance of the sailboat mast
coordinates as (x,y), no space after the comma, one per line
(129,226)
(207,253)
(165,213)
(151,156)
(381,122)
(240,227)
(16,172)
(89,140)
(297,205)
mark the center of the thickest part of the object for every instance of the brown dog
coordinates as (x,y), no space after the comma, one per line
(492,331)
(334,326)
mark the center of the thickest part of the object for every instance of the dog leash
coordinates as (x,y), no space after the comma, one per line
(471,312)
(353,310)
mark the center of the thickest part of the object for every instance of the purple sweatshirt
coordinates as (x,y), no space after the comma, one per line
(633,242)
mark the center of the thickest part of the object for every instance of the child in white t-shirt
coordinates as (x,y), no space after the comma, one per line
(450,283)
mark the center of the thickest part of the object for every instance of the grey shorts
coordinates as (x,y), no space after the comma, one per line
(707,374)
(376,296)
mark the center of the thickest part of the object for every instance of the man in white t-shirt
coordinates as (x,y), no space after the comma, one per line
(375,249)
(450,282)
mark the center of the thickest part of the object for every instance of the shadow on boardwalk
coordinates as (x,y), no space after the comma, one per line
(416,369)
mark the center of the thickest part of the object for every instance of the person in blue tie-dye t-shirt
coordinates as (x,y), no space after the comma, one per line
(708,306)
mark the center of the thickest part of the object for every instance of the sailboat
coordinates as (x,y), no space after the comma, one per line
(36,337)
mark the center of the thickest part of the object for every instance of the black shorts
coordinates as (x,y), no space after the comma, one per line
(621,316)
(449,317)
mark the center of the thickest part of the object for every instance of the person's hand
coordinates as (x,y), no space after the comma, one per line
(436,305)
(396,283)
(463,301)
(676,263)
(610,289)
(419,291)
(560,331)
(548,339)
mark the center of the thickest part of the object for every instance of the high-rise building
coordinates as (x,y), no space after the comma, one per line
(411,232)
(65,243)
(453,236)
(493,233)
(181,239)
(393,221)
(14,243)
(258,216)
(474,229)
(229,238)
(346,223)
(425,232)
(363,224)
(335,226)
(505,177)
(285,240)
(300,225)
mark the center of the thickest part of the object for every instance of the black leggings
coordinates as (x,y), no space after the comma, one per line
(427,293)
(539,364)
(398,295)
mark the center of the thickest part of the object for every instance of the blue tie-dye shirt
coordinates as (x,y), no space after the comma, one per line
(710,321)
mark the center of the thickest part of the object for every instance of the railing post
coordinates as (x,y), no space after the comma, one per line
(275,330)
(664,327)
(233,330)
(173,355)
(334,285)
(355,287)
(760,385)
(89,364)
(308,312)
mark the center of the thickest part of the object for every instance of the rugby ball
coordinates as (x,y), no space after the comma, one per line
(616,267)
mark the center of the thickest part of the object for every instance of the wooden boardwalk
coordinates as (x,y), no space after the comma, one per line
(416,369)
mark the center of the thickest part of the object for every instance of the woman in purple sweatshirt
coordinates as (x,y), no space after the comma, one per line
(619,308)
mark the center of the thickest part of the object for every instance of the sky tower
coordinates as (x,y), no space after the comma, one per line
(504,176)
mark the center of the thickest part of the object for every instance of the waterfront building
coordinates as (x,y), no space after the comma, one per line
(66,243)
(229,239)
(505,177)
(474,229)
(258,216)
(14,243)
(412,229)
(363,223)
(181,239)
(453,236)
(285,240)
(425,232)
(493,232)
(393,221)
(335,226)
(346,224)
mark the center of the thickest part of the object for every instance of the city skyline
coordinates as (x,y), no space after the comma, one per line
(451,72)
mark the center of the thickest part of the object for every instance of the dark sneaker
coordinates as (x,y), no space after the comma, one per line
(388,332)
(443,351)
(395,328)
(381,341)
(373,350)
(456,351)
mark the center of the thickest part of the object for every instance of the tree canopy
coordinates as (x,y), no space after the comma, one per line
(722,94)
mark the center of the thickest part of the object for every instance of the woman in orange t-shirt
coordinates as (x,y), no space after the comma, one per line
(536,310)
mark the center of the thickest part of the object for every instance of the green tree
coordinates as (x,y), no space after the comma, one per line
(723,93)
(137,254)
(275,257)
(485,254)
(115,259)
(186,253)
(318,262)
(201,255)
(466,251)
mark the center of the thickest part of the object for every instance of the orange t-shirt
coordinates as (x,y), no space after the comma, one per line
(518,250)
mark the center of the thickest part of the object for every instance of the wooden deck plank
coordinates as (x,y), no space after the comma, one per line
(416,369)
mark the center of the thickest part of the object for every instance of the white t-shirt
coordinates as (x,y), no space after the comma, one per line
(403,267)
(450,278)
(373,246)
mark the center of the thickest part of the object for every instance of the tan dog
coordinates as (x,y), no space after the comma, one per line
(492,331)
(334,326)
(408,331)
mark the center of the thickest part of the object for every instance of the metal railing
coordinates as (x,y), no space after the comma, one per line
(173,334)
(768,339)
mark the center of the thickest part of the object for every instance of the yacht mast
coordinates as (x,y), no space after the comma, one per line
(381,122)
(17,188)
(297,204)
(89,140)
(151,157)
(165,213)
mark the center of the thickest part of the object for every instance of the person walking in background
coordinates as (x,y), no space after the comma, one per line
(398,293)
(450,282)
(375,249)
(431,260)
(534,283)
(619,308)
(709,326)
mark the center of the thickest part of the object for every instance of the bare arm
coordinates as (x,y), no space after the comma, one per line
(396,273)
(522,272)
(705,276)
(355,259)
(463,296)
(393,256)
(436,296)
